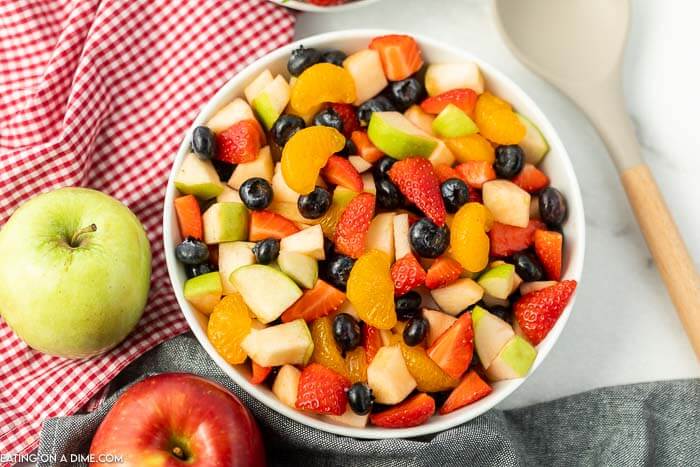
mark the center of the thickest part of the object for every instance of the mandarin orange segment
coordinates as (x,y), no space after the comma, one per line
(469,244)
(496,120)
(323,82)
(229,324)
(471,148)
(306,153)
(428,374)
(326,351)
(371,290)
(356,362)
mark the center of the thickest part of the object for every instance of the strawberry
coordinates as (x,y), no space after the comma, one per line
(453,350)
(265,224)
(322,390)
(407,274)
(464,98)
(531,179)
(507,239)
(365,148)
(240,142)
(416,179)
(476,173)
(400,55)
(537,312)
(259,373)
(443,271)
(348,115)
(351,230)
(340,171)
(445,172)
(412,412)
(548,246)
(371,341)
(470,389)
(315,303)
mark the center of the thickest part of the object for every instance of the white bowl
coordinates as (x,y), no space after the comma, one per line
(556,164)
(303,6)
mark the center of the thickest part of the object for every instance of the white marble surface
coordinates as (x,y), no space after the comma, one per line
(623,329)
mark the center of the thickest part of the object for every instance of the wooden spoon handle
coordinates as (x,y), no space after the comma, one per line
(667,247)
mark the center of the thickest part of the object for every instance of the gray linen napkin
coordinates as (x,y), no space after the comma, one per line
(642,424)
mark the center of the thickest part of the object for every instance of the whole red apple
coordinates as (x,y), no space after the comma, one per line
(178,419)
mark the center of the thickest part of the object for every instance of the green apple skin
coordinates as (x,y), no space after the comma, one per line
(397,137)
(73,301)
(452,122)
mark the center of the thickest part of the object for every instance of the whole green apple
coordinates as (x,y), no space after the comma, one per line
(75,268)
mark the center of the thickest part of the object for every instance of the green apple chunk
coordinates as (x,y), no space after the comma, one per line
(229,195)
(198,177)
(281,192)
(283,344)
(397,137)
(513,361)
(388,376)
(307,241)
(271,101)
(533,144)
(266,290)
(452,122)
(367,72)
(233,255)
(225,222)
(438,323)
(457,296)
(262,167)
(441,155)
(491,334)
(498,281)
(508,203)
(234,112)
(286,385)
(301,268)
(360,164)
(420,119)
(443,77)
(257,85)
(204,292)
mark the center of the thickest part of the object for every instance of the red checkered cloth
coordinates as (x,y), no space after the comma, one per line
(99,94)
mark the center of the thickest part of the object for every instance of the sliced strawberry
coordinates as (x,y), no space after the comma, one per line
(322,390)
(470,389)
(407,274)
(315,303)
(365,148)
(445,172)
(239,143)
(340,171)
(453,350)
(476,173)
(537,312)
(400,55)
(371,341)
(416,179)
(531,179)
(351,230)
(265,224)
(507,239)
(259,373)
(189,217)
(412,412)
(464,98)
(443,271)
(348,115)
(548,246)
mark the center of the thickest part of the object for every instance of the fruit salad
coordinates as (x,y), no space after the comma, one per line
(371,234)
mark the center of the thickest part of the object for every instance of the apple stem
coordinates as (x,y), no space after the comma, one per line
(75,239)
(178,452)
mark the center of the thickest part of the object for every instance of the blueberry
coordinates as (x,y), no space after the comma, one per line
(285,127)
(360,398)
(415,331)
(377,104)
(338,270)
(552,206)
(405,93)
(223,169)
(388,196)
(346,331)
(336,57)
(194,270)
(383,166)
(256,193)
(314,204)
(192,251)
(329,117)
(528,267)
(455,193)
(349,149)
(203,142)
(266,251)
(502,312)
(509,160)
(301,59)
(408,305)
(427,239)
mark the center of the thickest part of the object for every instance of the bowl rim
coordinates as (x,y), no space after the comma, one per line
(309,8)
(438,424)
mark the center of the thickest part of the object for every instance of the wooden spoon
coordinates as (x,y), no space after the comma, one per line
(577,45)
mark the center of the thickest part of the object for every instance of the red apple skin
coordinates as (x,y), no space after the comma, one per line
(162,413)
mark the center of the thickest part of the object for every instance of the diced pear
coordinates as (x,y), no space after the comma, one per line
(301,268)
(271,101)
(529,287)
(360,164)
(498,281)
(261,167)
(507,202)
(457,296)
(402,243)
(388,376)
(283,344)
(380,235)
(229,195)
(286,385)
(266,290)
(198,177)
(397,137)
(513,361)
(350,418)
(257,85)
(366,70)
(533,144)
(291,212)
(308,242)
(281,191)
(442,155)
(233,255)
(443,77)
(368,185)
(234,112)
(225,222)
(491,334)
(421,119)
(204,292)
(438,323)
